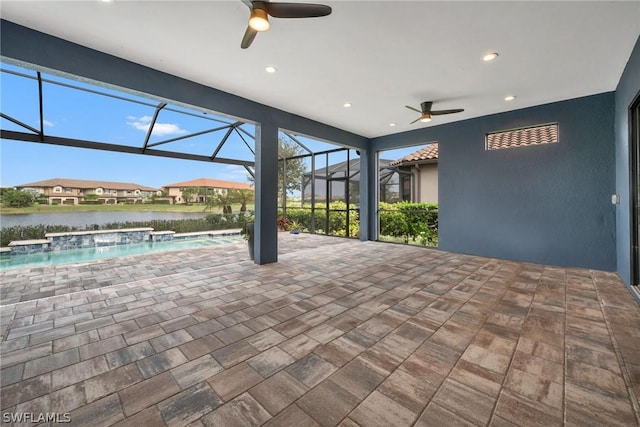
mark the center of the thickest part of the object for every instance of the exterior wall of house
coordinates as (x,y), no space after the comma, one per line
(627,90)
(548,204)
(427,183)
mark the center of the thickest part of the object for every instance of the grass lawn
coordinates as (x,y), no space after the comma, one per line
(36,208)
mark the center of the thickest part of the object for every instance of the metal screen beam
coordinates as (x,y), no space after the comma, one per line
(79,143)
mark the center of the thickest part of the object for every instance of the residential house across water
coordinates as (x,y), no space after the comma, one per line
(63,191)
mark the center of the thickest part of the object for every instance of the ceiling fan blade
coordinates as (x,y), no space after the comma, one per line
(249,35)
(296,10)
(441,112)
(414,109)
(415,120)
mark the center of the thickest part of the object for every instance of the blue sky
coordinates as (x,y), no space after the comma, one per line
(73,113)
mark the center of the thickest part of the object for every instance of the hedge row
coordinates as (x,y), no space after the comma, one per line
(211,222)
(415,222)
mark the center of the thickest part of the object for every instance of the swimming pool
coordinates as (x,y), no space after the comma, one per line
(90,254)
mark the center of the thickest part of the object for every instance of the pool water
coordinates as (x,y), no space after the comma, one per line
(90,254)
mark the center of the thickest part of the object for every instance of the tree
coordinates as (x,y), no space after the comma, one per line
(16,198)
(223,200)
(295,167)
(188,193)
(243,197)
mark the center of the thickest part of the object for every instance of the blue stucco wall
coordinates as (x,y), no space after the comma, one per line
(545,204)
(628,88)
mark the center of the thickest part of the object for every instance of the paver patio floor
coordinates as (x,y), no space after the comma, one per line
(338,332)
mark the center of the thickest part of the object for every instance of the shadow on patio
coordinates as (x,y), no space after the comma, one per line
(337,332)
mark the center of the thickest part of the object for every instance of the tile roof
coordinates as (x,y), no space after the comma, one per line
(85,183)
(545,134)
(425,154)
(211,183)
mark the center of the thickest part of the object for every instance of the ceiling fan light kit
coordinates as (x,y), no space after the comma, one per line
(426,112)
(259,19)
(260,11)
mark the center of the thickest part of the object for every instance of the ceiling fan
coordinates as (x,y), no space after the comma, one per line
(426,112)
(261,10)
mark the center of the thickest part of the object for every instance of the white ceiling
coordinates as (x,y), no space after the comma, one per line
(377,55)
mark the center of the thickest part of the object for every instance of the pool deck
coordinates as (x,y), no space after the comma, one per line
(338,332)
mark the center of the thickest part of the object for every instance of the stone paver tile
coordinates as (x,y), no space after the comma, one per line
(91,350)
(292,416)
(52,334)
(324,333)
(177,323)
(143,334)
(266,339)
(534,387)
(436,415)
(147,393)
(234,353)
(195,371)
(49,363)
(76,340)
(67,399)
(103,412)
(149,417)
(480,356)
(380,360)
(378,409)
(78,372)
(411,392)
(11,375)
(270,361)
(234,333)
(521,411)
(117,329)
(465,401)
(24,355)
(129,354)
(311,370)
(243,411)
(588,407)
(596,379)
(94,324)
(171,340)
(357,378)
(204,328)
(277,392)
(201,346)
(328,403)
(189,405)
(299,346)
(25,390)
(161,362)
(477,377)
(234,381)
(111,381)
(339,351)
(30,329)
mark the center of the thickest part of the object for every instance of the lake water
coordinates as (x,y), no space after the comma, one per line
(82,219)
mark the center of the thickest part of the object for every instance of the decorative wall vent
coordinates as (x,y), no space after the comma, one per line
(523,137)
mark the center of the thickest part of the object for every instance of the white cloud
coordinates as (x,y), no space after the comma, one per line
(48,123)
(159,129)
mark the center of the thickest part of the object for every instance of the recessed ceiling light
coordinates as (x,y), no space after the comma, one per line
(270,69)
(392,124)
(347,105)
(509,97)
(490,56)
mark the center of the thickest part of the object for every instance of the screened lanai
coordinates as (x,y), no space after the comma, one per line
(520,317)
